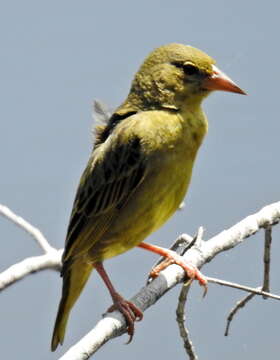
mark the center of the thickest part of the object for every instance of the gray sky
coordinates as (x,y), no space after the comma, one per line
(56,57)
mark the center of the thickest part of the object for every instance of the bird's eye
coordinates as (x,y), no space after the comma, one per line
(190,69)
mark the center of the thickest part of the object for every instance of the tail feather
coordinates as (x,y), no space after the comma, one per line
(74,280)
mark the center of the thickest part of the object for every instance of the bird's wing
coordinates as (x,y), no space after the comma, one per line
(114,171)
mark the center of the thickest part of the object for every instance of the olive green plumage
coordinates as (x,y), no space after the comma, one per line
(140,167)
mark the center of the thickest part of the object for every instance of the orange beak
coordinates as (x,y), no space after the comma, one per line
(220,81)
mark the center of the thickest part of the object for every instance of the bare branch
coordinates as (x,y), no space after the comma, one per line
(113,324)
(198,237)
(266,259)
(180,311)
(184,332)
(256,291)
(240,304)
(51,260)
(227,239)
(26,226)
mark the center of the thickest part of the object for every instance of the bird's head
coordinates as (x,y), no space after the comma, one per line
(174,75)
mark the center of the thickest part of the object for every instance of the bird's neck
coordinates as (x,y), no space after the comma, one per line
(189,110)
(194,121)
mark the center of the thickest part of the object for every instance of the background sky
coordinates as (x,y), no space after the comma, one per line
(56,57)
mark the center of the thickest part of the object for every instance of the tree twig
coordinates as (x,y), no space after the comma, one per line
(50,260)
(180,311)
(16,272)
(266,280)
(181,320)
(26,226)
(256,291)
(266,259)
(240,304)
(198,237)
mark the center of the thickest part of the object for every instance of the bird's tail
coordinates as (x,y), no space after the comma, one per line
(74,280)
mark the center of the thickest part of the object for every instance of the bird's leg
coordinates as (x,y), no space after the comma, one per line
(173,258)
(130,311)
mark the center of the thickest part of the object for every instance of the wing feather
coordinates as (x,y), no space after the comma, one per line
(113,173)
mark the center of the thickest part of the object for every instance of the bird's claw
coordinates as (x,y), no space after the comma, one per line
(130,312)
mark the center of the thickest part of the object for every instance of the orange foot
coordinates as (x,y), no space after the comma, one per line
(130,312)
(173,258)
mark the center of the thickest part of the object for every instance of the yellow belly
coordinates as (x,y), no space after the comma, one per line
(156,199)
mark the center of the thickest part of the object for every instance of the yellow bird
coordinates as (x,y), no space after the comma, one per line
(138,172)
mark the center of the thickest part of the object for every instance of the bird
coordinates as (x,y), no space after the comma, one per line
(138,172)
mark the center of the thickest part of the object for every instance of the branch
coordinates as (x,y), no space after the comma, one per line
(239,305)
(113,324)
(181,318)
(266,280)
(51,260)
(253,291)
(266,259)
(26,226)
(180,311)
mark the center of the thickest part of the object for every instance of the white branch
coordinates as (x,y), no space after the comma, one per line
(256,291)
(113,324)
(51,260)
(30,229)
